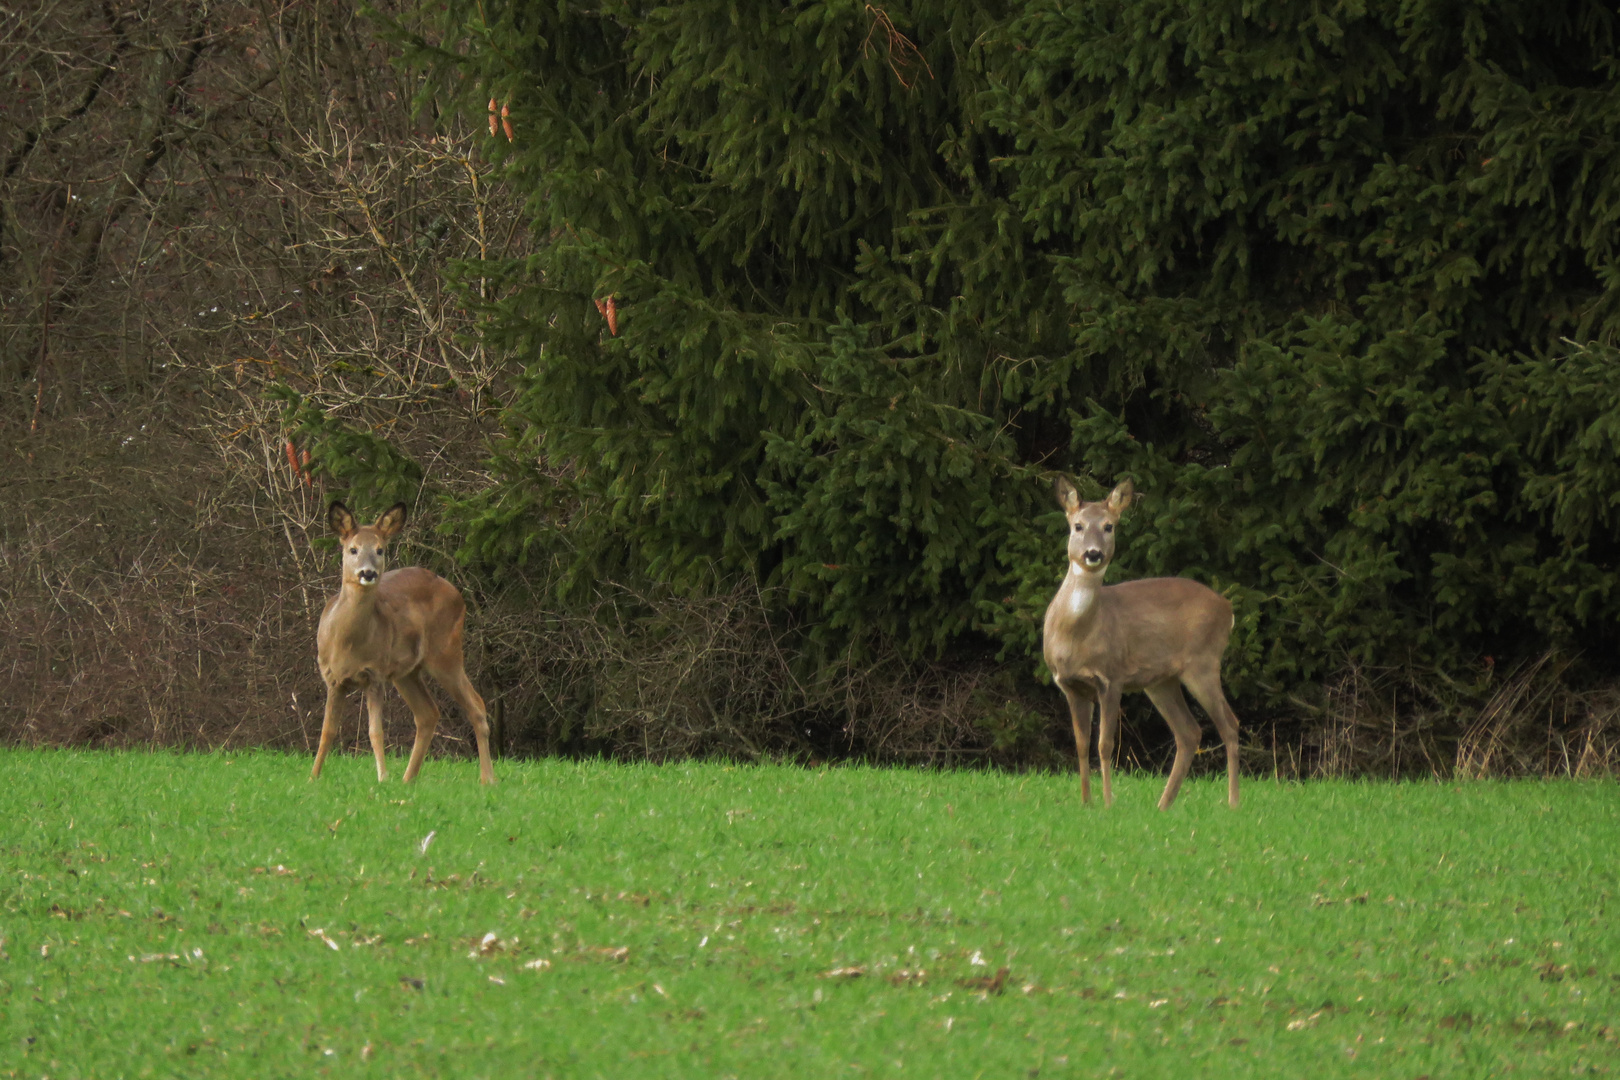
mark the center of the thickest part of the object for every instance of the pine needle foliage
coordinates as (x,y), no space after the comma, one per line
(1335,284)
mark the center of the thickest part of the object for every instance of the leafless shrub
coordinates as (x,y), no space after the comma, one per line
(134,608)
(197,200)
(653,675)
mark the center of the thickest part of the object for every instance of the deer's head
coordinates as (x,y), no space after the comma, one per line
(365,548)
(1091,524)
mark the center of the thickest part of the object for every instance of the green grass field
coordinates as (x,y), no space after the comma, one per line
(169,915)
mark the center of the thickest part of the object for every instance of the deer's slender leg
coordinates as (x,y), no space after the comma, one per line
(448,668)
(329,726)
(460,687)
(1079,698)
(1206,687)
(1107,733)
(1166,697)
(374,716)
(427,718)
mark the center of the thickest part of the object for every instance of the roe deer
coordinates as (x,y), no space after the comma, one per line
(1155,634)
(392,627)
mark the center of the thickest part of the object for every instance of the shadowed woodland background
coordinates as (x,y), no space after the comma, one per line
(728,384)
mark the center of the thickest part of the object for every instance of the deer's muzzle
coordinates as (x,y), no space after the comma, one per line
(1092,559)
(366,577)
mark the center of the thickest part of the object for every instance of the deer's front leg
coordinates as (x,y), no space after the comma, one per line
(1107,734)
(374,716)
(1079,699)
(329,726)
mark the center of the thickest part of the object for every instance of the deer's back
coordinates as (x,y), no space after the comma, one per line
(420,599)
(1193,602)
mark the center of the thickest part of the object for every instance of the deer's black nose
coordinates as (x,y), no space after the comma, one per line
(1093,557)
(367,577)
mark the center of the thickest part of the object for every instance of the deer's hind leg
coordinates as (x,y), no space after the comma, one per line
(458,686)
(427,718)
(1206,687)
(449,670)
(1166,697)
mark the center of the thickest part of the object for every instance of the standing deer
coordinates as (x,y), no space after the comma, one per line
(391,627)
(1155,635)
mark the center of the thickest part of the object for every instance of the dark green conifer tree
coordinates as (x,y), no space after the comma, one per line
(826,289)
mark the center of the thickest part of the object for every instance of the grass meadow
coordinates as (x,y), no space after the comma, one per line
(220,915)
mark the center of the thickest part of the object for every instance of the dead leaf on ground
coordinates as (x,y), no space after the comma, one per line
(1305,1021)
(278,870)
(988,984)
(490,944)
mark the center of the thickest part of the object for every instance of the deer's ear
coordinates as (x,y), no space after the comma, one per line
(341,521)
(391,522)
(1120,498)
(1067,496)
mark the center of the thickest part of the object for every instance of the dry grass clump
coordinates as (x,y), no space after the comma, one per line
(1534,719)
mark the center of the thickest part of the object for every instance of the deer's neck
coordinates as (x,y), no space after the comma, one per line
(1080,597)
(355,616)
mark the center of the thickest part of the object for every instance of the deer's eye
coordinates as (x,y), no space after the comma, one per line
(1108,528)
(354,551)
